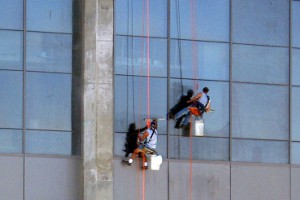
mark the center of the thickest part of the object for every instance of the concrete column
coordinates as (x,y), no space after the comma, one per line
(98,99)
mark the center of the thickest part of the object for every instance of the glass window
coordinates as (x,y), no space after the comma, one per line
(296,23)
(208,60)
(49,52)
(260,64)
(210,20)
(295,152)
(49,15)
(11,99)
(131,101)
(131,56)
(295,113)
(261,22)
(296,66)
(131,17)
(48,142)
(260,111)
(11,50)
(48,101)
(10,141)
(216,123)
(202,148)
(11,14)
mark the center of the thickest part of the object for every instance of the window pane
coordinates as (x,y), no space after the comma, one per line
(11,14)
(49,15)
(261,22)
(202,148)
(213,15)
(216,123)
(295,152)
(11,50)
(48,101)
(260,64)
(131,56)
(131,102)
(48,142)
(295,113)
(211,60)
(10,141)
(260,151)
(131,17)
(296,23)
(260,111)
(49,52)
(296,66)
(11,99)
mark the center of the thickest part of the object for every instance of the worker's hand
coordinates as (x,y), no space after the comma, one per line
(148,123)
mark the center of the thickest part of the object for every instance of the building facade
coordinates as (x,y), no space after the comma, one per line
(75,73)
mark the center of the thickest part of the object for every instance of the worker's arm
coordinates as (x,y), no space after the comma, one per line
(195,98)
(145,135)
(207,109)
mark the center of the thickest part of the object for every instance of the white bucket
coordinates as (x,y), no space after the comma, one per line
(155,162)
(199,127)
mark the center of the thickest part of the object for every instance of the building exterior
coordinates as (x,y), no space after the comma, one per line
(75,73)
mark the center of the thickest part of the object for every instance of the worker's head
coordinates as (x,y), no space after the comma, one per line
(205,90)
(190,93)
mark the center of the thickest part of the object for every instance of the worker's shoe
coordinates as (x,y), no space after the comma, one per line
(126,162)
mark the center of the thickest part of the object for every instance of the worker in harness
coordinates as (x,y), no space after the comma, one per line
(148,145)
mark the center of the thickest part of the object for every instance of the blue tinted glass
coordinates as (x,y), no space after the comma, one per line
(131,56)
(261,22)
(295,114)
(11,14)
(296,23)
(131,17)
(10,141)
(296,67)
(295,152)
(133,104)
(258,111)
(208,60)
(49,15)
(48,142)
(260,64)
(216,123)
(11,50)
(49,52)
(48,101)
(208,20)
(11,99)
(202,148)
(260,151)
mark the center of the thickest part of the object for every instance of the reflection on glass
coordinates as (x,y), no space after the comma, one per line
(296,23)
(131,56)
(201,20)
(131,17)
(262,24)
(49,52)
(11,49)
(260,64)
(295,153)
(208,60)
(11,14)
(295,66)
(48,142)
(49,15)
(216,123)
(295,114)
(131,101)
(202,148)
(10,141)
(48,101)
(260,151)
(11,99)
(260,111)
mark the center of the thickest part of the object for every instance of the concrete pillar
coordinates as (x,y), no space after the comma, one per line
(98,99)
